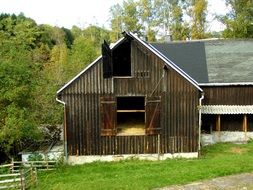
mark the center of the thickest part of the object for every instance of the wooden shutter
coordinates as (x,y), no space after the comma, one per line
(107,60)
(153,109)
(108,116)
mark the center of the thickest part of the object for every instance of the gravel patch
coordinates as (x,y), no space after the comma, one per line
(234,182)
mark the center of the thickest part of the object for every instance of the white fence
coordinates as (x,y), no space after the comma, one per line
(22,175)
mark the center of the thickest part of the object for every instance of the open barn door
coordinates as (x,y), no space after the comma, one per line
(153,110)
(108,116)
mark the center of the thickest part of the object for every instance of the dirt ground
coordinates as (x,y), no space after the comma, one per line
(234,182)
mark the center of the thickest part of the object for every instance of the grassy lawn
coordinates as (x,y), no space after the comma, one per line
(217,160)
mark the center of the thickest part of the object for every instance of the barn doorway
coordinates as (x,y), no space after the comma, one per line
(131,115)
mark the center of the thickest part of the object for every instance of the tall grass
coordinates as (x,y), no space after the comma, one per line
(216,160)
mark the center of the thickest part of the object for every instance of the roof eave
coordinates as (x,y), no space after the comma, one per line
(77,76)
(227,84)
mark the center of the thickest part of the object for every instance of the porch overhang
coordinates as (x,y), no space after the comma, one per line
(227,109)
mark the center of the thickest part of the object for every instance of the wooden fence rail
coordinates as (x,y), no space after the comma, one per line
(8,181)
(21,180)
(22,175)
(39,165)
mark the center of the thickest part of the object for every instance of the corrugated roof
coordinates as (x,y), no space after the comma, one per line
(227,109)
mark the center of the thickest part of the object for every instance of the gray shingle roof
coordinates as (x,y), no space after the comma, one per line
(214,61)
(189,56)
(229,61)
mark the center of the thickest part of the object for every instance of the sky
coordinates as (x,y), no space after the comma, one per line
(82,13)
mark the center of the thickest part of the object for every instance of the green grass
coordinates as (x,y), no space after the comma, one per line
(217,160)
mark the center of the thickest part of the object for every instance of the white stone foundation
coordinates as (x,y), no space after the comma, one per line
(226,136)
(108,158)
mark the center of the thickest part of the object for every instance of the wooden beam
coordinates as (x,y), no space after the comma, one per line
(245,123)
(218,123)
(130,111)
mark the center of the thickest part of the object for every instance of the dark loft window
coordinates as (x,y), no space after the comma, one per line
(130,115)
(121,58)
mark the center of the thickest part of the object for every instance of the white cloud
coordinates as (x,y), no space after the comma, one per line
(216,7)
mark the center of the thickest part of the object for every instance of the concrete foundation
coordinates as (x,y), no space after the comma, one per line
(226,136)
(108,158)
(55,153)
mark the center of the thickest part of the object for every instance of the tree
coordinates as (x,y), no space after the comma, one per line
(83,52)
(35,61)
(125,18)
(20,29)
(198,13)
(178,27)
(54,70)
(147,15)
(17,83)
(68,37)
(162,17)
(168,18)
(95,35)
(130,16)
(239,20)
(116,12)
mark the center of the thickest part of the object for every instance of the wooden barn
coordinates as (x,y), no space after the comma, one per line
(131,101)
(223,69)
(153,100)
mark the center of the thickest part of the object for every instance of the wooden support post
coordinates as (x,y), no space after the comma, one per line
(22,179)
(12,167)
(158,147)
(218,123)
(245,123)
(35,175)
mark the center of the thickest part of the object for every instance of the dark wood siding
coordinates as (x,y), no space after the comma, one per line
(108,116)
(153,113)
(178,108)
(228,95)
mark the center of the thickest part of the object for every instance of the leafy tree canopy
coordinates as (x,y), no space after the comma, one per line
(239,21)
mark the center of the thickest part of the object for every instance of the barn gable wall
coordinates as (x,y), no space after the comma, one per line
(179,100)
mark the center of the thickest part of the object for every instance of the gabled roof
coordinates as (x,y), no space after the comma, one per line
(189,56)
(214,62)
(166,60)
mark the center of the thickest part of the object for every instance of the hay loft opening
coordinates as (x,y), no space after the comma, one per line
(121,59)
(130,115)
(117,61)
